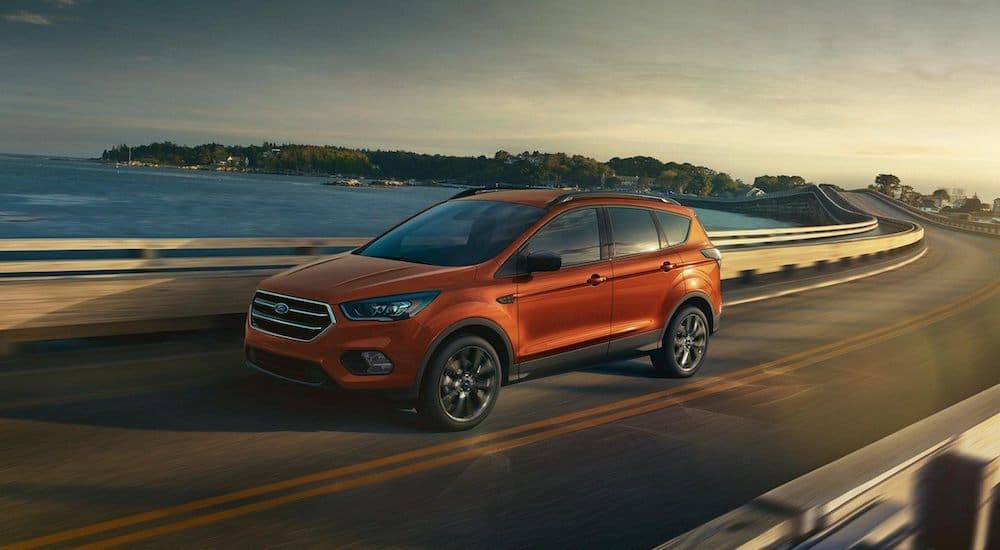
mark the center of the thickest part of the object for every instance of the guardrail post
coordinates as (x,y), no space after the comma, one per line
(147,253)
(308,251)
(956,491)
(747,275)
(788,270)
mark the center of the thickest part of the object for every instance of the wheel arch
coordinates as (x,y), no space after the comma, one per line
(477,326)
(697,299)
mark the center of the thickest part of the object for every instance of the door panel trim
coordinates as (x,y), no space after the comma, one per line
(633,345)
(636,344)
(585,355)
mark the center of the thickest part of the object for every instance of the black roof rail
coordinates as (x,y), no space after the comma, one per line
(477,190)
(608,195)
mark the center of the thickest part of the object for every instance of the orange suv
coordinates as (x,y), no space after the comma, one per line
(489,286)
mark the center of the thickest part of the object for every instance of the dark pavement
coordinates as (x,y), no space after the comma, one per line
(608,456)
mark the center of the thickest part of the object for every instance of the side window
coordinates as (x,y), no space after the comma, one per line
(574,236)
(675,226)
(633,231)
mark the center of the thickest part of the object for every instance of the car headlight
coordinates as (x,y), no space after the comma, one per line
(388,308)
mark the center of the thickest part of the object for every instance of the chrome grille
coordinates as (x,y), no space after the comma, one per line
(289,317)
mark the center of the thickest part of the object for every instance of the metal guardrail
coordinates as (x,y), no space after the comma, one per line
(746,263)
(783,235)
(54,256)
(146,255)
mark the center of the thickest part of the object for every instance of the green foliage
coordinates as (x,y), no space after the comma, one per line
(770,184)
(679,178)
(887,183)
(526,168)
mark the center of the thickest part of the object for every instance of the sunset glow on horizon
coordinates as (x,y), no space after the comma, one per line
(834,92)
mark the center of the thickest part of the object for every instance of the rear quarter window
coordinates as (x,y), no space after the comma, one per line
(675,227)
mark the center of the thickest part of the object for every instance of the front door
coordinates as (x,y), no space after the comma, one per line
(568,309)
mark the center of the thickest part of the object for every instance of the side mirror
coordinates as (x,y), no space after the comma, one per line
(542,261)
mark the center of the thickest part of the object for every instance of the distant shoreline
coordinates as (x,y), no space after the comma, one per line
(335,180)
(529,168)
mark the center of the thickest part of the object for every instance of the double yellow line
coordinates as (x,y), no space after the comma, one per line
(436,456)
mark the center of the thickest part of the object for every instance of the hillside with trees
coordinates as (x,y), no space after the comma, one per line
(771,184)
(526,168)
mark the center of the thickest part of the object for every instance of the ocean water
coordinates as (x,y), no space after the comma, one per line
(53,197)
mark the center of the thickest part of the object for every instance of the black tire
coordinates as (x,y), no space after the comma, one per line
(461,385)
(684,346)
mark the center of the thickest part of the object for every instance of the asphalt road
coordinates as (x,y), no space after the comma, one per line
(192,450)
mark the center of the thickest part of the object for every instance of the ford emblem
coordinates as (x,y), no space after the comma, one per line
(281,308)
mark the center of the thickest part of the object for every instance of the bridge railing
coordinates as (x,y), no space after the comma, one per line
(975,227)
(32,257)
(934,484)
(152,285)
(758,237)
(35,257)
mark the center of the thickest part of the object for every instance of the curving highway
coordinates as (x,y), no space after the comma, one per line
(175,444)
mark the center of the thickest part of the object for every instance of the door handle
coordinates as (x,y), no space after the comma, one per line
(668,265)
(596,279)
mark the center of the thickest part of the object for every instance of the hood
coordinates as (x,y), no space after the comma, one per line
(347,277)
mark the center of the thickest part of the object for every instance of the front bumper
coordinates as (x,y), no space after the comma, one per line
(321,362)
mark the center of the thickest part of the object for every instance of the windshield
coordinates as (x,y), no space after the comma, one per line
(455,233)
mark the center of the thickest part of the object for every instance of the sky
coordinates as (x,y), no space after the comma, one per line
(835,92)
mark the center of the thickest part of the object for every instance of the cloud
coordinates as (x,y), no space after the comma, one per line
(27,17)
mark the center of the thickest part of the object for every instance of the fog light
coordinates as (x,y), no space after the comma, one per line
(377,362)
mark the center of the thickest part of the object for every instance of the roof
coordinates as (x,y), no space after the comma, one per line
(532,197)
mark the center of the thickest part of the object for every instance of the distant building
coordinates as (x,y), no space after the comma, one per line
(996,206)
(534,159)
(755,192)
(628,181)
(238,161)
(957,195)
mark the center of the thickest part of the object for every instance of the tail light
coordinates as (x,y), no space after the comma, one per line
(712,253)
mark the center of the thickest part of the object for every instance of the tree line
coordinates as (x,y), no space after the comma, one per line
(526,168)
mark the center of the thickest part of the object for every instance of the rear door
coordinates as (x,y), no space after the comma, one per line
(646,280)
(571,308)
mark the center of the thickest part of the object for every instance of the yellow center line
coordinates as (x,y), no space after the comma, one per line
(634,407)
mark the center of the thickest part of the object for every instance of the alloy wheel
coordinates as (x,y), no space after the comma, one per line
(468,383)
(690,341)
